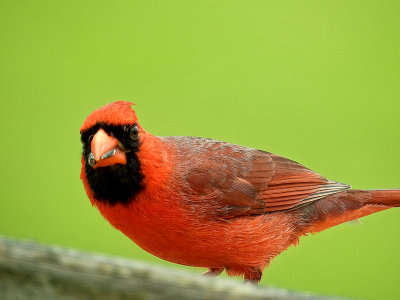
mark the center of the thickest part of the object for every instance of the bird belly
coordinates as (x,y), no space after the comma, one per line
(185,239)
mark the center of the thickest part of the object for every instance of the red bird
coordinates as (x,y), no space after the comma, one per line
(200,202)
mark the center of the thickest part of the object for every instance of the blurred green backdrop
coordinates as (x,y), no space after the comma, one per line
(315,81)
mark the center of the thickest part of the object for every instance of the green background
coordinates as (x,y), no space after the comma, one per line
(315,81)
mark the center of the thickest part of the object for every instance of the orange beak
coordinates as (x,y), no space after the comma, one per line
(105,151)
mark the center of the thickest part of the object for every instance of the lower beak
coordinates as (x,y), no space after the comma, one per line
(105,151)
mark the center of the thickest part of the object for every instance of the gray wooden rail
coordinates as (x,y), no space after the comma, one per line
(29,270)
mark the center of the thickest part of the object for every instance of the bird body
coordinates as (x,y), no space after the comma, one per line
(205,203)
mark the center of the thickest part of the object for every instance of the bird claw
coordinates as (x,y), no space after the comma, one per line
(213,272)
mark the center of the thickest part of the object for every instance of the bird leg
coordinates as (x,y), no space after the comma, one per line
(213,272)
(253,275)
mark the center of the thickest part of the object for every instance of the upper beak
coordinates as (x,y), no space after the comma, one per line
(104,147)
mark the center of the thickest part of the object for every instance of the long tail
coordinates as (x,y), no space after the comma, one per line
(346,206)
(389,198)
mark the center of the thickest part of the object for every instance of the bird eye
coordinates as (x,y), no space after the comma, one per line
(134,132)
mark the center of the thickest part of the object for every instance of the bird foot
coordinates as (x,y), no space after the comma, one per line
(253,275)
(213,272)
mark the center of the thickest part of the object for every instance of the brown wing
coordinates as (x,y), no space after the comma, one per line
(240,181)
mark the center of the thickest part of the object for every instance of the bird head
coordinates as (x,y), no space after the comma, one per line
(110,138)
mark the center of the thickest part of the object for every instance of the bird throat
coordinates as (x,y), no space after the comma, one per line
(116,183)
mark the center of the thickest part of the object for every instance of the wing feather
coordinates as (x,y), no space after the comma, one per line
(237,181)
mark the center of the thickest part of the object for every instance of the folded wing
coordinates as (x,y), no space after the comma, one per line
(238,181)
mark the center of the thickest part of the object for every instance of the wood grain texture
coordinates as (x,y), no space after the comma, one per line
(29,270)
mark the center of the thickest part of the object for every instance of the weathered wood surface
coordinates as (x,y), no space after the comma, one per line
(29,270)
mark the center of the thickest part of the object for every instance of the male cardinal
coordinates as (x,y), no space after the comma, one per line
(205,203)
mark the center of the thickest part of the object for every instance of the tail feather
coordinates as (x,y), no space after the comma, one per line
(346,206)
(385,197)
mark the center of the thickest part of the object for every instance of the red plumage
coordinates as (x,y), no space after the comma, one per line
(212,204)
